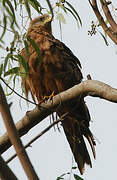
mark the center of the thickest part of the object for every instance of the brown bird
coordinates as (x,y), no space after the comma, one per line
(59,70)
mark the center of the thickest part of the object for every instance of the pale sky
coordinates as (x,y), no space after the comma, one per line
(51,154)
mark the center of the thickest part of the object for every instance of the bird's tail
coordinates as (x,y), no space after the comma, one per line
(75,136)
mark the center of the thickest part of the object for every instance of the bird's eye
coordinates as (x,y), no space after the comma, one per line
(41,19)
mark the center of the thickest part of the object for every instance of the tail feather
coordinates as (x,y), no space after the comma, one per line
(76,127)
(92,145)
(79,151)
(74,134)
(87,133)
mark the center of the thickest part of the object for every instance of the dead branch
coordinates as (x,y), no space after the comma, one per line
(108,30)
(87,88)
(14,137)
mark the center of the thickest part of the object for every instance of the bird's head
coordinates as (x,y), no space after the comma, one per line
(42,22)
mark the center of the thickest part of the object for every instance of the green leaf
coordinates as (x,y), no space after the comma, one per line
(77,177)
(8,81)
(105,40)
(5,24)
(26,48)
(74,167)
(75,12)
(15,4)
(11,7)
(22,61)
(14,70)
(36,5)
(28,8)
(71,13)
(50,7)
(14,78)
(61,177)
(10,10)
(63,8)
(1,69)
(61,18)
(9,55)
(35,46)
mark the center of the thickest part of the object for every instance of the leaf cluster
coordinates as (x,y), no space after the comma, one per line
(76,177)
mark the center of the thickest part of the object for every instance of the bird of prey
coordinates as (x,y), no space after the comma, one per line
(59,70)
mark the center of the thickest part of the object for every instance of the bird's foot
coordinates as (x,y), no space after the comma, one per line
(45,98)
(49,97)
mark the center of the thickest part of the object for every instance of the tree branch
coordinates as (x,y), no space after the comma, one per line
(14,137)
(39,135)
(108,15)
(107,29)
(87,88)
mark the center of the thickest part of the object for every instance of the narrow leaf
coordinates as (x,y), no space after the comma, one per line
(105,40)
(9,80)
(50,7)
(1,69)
(22,61)
(10,10)
(71,13)
(75,12)
(61,177)
(9,93)
(9,55)
(26,48)
(36,5)
(35,46)
(14,70)
(77,177)
(5,24)
(15,4)
(11,7)
(28,8)
(63,8)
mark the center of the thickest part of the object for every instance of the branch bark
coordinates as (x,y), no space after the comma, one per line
(87,88)
(108,30)
(14,137)
(108,15)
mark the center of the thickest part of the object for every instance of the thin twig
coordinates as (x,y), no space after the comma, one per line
(39,135)
(17,93)
(6,28)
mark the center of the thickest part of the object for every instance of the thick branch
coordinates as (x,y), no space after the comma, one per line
(107,30)
(87,88)
(14,137)
(108,15)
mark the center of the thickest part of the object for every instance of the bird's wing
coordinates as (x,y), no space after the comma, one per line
(59,71)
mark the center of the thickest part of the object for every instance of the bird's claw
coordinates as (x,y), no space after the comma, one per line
(45,98)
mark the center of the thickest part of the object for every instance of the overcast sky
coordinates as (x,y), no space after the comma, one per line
(51,154)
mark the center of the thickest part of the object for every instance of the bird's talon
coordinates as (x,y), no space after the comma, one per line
(49,97)
(45,98)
